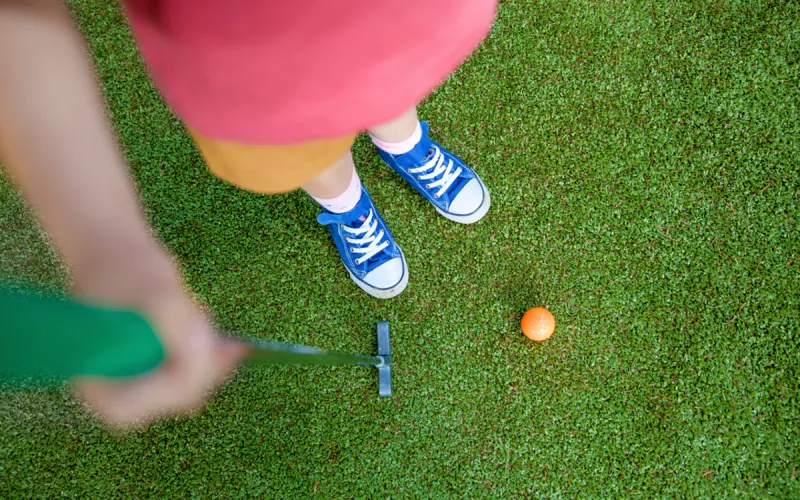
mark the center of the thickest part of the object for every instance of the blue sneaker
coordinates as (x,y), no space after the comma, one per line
(454,189)
(367,248)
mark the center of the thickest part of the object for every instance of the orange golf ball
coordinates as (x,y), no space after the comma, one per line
(538,324)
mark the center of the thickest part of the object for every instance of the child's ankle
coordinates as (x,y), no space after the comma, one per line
(398,148)
(345,201)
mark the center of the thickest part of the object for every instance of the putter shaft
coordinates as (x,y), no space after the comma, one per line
(273,352)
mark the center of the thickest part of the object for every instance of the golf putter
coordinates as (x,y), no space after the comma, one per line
(274,352)
(45,341)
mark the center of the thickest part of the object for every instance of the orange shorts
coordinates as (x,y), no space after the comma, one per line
(271,169)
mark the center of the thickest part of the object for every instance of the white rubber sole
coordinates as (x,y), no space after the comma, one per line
(475,216)
(384,293)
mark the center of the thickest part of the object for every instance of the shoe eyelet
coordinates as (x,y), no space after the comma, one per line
(427,186)
(352,250)
(437,195)
(358,262)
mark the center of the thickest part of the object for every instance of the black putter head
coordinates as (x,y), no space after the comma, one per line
(385,353)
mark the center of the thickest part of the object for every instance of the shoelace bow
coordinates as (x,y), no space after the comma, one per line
(370,243)
(440,166)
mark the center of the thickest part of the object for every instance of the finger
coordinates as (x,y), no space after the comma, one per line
(135,403)
(193,360)
(229,353)
(196,364)
(122,405)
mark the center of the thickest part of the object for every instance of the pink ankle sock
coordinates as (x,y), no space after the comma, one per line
(398,148)
(345,201)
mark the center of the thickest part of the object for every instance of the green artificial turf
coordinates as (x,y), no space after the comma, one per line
(644,164)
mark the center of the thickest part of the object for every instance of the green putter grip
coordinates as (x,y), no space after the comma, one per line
(47,340)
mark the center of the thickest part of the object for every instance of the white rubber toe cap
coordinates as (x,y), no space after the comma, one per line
(468,200)
(386,275)
(470,204)
(386,281)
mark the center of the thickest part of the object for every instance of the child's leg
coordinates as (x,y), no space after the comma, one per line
(365,244)
(397,130)
(324,169)
(338,187)
(454,189)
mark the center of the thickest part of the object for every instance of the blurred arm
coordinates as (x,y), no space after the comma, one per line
(56,140)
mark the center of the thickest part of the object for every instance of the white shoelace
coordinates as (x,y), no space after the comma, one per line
(437,163)
(369,238)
